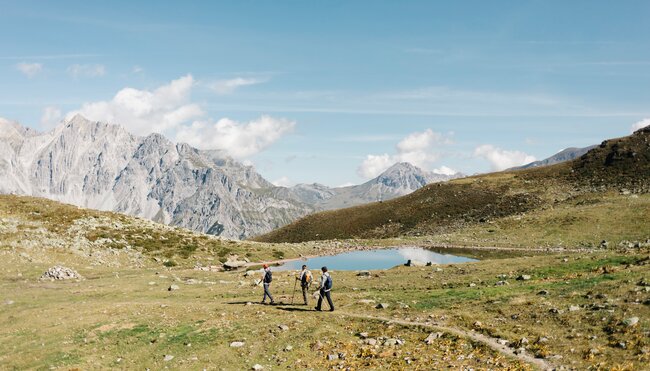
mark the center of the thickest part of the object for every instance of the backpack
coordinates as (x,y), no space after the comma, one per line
(306,279)
(268,277)
(328,283)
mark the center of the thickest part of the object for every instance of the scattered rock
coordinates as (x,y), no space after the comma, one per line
(472,284)
(237,344)
(257,367)
(433,337)
(283,327)
(59,272)
(168,357)
(393,342)
(288,348)
(231,265)
(524,277)
(363,335)
(363,274)
(332,357)
(371,341)
(501,283)
(173,288)
(414,263)
(381,306)
(543,292)
(574,308)
(631,322)
(317,346)
(478,324)
(366,301)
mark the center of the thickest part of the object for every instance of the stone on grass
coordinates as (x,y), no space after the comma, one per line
(630,322)
(59,272)
(168,357)
(332,357)
(283,327)
(363,274)
(288,348)
(501,283)
(363,335)
(393,342)
(432,337)
(237,344)
(173,288)
(371,341)
(543,292)
(257,367)
(382,306)
(574,308)
(524,277)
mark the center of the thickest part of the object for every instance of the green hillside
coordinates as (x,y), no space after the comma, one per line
(611,182)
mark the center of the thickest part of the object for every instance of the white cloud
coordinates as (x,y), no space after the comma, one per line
(86,70)
(283,182)
(168,110)
(143,111)
(501,159)
(417,148)
(641,124)
(137,69)
(223,87)
(51,116)
(236,138)
(29,69)
(374,165)
(444,170)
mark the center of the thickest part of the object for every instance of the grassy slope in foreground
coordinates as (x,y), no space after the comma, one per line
(607,178)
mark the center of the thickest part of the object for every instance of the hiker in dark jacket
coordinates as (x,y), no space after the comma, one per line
(325,287)
(266,280)
(305,279)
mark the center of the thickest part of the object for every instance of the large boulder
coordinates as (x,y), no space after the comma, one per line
(59,272)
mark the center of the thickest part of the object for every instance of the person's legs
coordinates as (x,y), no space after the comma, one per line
(304,294)
(267,293)
(329,300)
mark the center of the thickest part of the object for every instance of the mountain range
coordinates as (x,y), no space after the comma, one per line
(103,166)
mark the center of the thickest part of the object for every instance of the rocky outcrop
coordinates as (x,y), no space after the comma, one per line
(102,166)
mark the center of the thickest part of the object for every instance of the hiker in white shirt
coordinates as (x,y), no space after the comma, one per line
(325,288)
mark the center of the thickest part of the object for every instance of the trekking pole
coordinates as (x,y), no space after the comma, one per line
(294,291)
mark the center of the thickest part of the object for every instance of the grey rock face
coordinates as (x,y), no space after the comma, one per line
(102,166)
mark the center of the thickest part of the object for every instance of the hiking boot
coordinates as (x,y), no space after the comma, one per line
(331,310)
(318,309)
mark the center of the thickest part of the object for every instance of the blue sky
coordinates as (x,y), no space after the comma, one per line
(333,92)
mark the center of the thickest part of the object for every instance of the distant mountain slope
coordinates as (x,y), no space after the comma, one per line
(398,180)
(102,166)
(621,164)
(562,156)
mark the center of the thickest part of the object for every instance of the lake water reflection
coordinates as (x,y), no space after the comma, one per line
(374,259)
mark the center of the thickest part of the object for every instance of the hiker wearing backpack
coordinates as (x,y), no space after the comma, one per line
(305,279)
(325,288)
(267,277)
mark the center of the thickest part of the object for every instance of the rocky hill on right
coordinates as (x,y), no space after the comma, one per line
(599,198)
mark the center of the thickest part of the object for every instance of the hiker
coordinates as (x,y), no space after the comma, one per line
(305,279)
(325,287)
(266,279)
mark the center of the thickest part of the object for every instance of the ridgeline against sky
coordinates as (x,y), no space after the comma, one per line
(337,92)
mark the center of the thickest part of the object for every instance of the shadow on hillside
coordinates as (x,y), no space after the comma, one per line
(295,309)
